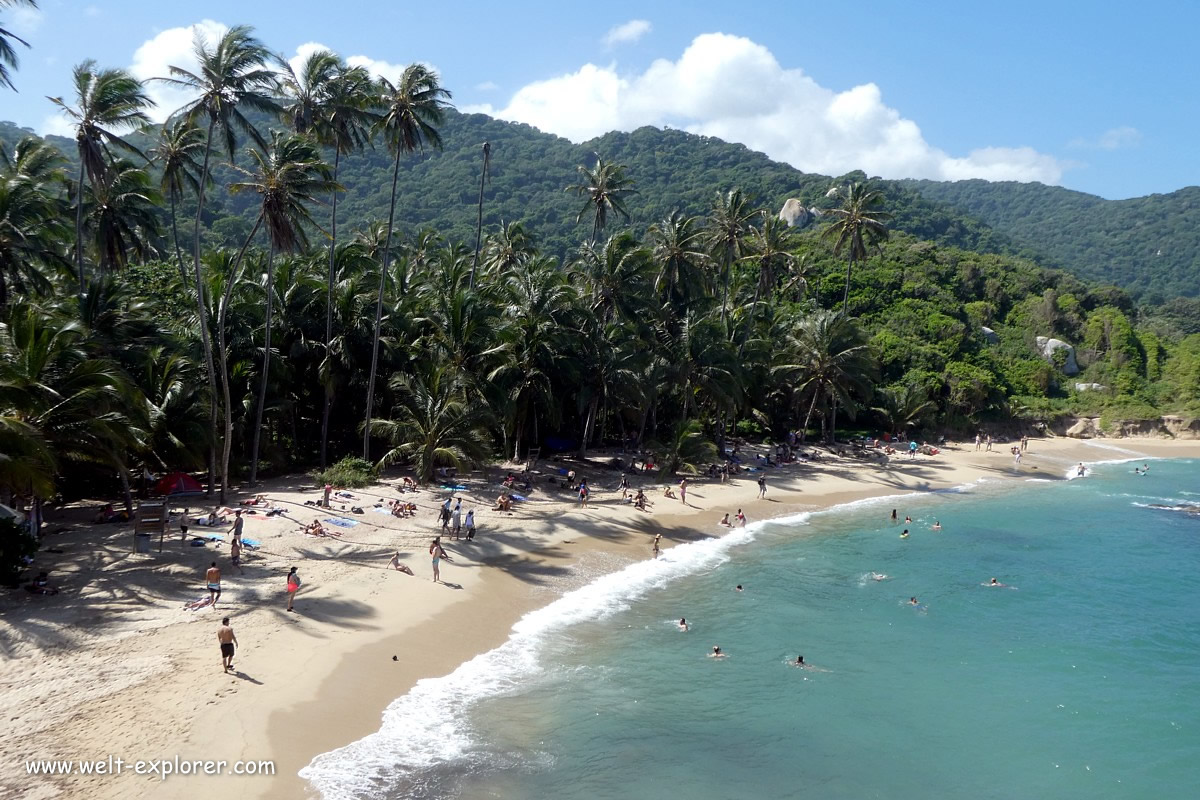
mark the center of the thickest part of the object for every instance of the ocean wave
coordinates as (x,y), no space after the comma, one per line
(428,726)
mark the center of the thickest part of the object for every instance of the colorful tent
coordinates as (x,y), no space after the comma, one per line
(178,483)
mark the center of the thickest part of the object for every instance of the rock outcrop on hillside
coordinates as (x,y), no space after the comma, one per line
(1049,347)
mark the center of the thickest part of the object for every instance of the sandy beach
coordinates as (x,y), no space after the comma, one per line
(115,666)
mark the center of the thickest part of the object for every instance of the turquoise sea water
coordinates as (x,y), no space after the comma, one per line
(1080,680)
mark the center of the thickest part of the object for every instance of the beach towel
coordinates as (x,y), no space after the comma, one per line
(382,510)
(210,537)
(450,488)
(517,497)
(198,603)
(342,522)
(253,544)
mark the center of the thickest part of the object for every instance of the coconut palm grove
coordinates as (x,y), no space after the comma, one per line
(303,266)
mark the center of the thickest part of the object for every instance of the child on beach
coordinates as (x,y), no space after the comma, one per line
(293,586)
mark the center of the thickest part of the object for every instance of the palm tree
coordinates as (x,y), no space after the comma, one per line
(617,275)
(409,111)
(857,224)
(533,341)
(728,224)
(333,103)
(604,189)
(30,217)
(8,56)
(484,177)
(287,178)
(678,249)
(232,78)
(687,450)
(106,101)
(904,406)
(506,249)
(826,357)
(436,425)
(179,145)
(121,216)
(769,250)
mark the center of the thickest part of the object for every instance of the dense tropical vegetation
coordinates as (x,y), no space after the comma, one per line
(325,308)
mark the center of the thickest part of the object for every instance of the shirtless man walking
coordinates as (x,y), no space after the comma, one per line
(212,577)
(228,642)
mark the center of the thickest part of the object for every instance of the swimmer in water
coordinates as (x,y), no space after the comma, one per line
(1080,470)
(683,626)
(738,588)
(894,520)
(908,520)
(878,576)
(912,601)
(716,653)
(800,662)
(905,534)
(937,526)
(995,582)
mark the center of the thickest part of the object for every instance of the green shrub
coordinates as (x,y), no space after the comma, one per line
(350,472)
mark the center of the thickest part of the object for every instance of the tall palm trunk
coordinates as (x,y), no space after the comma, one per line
(808,416)
(175,236)
(846,290)
(487,149)
(79,228)
(222,314)
(337,156)
(387,251)
(205,331)
(266,367)
(725,290)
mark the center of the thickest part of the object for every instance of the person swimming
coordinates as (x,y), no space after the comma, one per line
(878,576)
(908,520)
(683,626)
(716,652)
(937,526)
(738,588)
(905,534)
(894,515)
(800,661)
(994,582)
(912,601)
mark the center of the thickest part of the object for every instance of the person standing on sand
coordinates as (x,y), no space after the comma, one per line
(988,448)
(235,554)
(325,495)
(238,523)
(228,642)
(456,519)
(293,586)
(762,486)
(470,524)
(657,539)
(978,441)
(445,513)
(212,577)
(683,491)
(1024,442)
(583,493)
(741,518)
(437,552)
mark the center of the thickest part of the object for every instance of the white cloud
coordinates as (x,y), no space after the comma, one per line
(172,47)
(1112,139)
(627,32)
(56,125)
(377,67)
(486,86)
(735,89)
(23,20)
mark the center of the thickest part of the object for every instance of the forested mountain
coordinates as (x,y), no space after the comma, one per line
(672,170)
(1147,245)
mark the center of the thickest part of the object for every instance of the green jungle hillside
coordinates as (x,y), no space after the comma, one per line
(1148,245)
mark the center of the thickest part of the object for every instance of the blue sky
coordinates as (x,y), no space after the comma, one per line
(1096,96)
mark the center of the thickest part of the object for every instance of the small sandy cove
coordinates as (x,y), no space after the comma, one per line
(115,666)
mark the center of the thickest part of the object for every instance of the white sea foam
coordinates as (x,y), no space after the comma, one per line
(428,726)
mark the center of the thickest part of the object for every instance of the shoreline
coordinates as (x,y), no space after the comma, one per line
(318,680)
